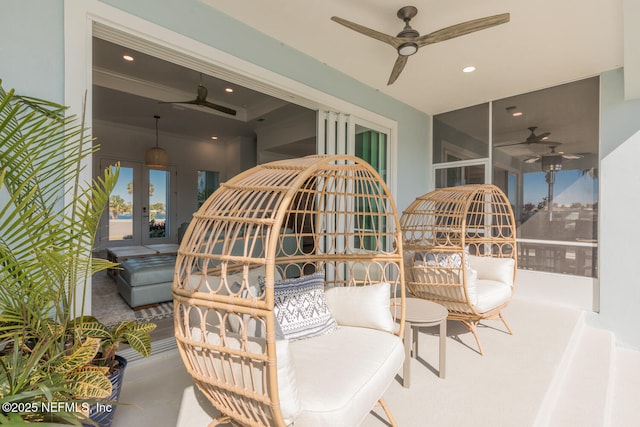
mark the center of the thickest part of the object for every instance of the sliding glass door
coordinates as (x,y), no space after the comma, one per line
(340,133)
(344,134)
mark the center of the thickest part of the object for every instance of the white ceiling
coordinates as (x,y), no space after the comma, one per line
(130,93)
(546,42)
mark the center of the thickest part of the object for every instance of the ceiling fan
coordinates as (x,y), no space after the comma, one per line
(201,100)
(532,139)
(408,41)
(552,161)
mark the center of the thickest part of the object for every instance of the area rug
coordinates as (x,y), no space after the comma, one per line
(110,308)
(157,312)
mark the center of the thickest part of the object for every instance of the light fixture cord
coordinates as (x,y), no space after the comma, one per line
(156,117)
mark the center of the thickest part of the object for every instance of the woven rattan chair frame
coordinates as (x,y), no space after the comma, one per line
(287,218)
(457,221)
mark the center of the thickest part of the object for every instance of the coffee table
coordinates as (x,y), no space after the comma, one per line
(422,313)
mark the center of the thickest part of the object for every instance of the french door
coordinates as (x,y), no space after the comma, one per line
(141,209)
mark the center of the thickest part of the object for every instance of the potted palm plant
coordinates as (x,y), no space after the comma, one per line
(49,351)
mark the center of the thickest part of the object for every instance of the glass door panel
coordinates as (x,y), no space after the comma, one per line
(140,209)
(340,133)
(371,145)
(122,207)
(158,203)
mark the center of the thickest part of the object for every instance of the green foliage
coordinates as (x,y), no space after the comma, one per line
(49,217)
(137,335)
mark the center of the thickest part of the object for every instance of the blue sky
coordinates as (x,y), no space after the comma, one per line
(157,178)
(570,186)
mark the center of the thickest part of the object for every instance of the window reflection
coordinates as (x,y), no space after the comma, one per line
(461,134)
(550,154)
(545,158)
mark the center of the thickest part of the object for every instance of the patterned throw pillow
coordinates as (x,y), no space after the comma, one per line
(301,307)
(447,259)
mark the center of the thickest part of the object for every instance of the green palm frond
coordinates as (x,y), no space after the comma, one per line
(49,219)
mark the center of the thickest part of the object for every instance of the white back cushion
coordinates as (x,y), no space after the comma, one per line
(490,268)
(363,306)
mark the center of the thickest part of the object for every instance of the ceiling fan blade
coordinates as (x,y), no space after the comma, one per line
(532,159)
(542,136)
(385,38)
(570,156)
(203,104)
(397,68)
(220,108)
(179,102)
(462,29)
(549,143)
(509,144)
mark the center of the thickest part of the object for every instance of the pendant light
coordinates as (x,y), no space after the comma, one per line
(156,157)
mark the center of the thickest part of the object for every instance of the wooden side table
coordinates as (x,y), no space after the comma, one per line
(422,313)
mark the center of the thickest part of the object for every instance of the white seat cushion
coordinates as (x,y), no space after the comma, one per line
(490,294)
(342,375)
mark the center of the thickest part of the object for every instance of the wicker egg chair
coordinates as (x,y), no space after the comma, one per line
(327,215)
(460,251)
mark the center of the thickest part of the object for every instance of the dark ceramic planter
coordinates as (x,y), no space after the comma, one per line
(102,413)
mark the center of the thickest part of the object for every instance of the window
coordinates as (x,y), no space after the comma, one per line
(544,157)
(208,182)
(461,134)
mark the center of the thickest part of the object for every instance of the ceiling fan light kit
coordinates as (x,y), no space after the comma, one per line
(551,163)
(156,157)
(408,41)
(407,49)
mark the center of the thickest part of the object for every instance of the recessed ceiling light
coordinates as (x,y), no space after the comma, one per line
(469,69)
(127,58)
(228,89)
(214,137)
(517,114)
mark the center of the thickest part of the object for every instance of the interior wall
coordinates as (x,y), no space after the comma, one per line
(239,155)
(187,155)
(619,189)
(301,127)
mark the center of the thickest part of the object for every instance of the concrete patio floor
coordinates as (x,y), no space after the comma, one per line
(555,370)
